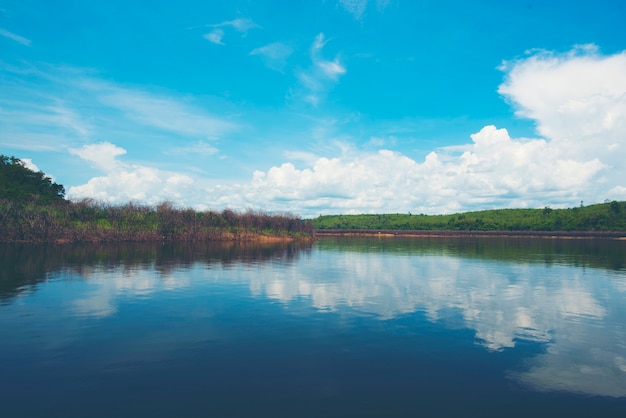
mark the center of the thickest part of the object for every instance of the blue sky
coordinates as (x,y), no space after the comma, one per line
(318,107)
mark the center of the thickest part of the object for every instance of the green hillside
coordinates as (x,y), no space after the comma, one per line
(609,216)
(19,183)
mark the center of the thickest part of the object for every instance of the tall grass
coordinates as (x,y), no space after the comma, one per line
(91,221)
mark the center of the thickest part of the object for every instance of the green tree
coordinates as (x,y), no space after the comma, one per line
(19,183)
(615,209)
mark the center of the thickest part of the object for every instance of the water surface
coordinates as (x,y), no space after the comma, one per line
(341,327)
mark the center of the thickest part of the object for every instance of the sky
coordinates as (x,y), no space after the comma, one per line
(319,106)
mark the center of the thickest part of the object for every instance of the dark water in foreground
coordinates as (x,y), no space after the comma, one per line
(342,327)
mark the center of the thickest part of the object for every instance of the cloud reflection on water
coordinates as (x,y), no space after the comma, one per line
(572,310)
(105,287)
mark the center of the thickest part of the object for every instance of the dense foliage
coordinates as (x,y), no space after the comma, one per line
(609,216)
(32,209)
(19,183)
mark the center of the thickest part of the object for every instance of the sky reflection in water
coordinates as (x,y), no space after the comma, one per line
(568,306)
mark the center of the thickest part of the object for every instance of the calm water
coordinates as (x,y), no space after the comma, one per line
(342,327)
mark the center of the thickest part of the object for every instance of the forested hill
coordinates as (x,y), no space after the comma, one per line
(19,183)
(610,216)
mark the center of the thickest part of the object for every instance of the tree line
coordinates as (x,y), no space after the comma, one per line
(19,183)
(608,216)
(33,209)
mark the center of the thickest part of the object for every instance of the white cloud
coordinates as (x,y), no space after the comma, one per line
(578,97)
(322,75)
(380,142)
(198,148)
(215,36)
(106,289)
(123,183)
(102,155)
(38,125)
(134,183)
(308,158)
(331,69)
(355,7)
(579,102)
(618,193)
(28,163)
(161,112)
(59,108)
(579,157)
(14,37)
(495,170)
(274,55)
(241,25)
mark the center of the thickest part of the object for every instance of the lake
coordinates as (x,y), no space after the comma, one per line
(432,327)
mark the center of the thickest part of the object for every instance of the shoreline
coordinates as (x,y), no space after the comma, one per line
(225,237)
(616,235)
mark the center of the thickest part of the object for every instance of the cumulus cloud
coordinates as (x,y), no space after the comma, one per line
(578,100)
(577,97)
(102,155)
(322,75)
(123,183)
(579,156)
(494,170)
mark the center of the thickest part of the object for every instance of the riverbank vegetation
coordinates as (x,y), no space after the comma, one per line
(608,216)
(33,209)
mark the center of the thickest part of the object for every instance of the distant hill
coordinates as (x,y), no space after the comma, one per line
(609,216)
(19,183)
